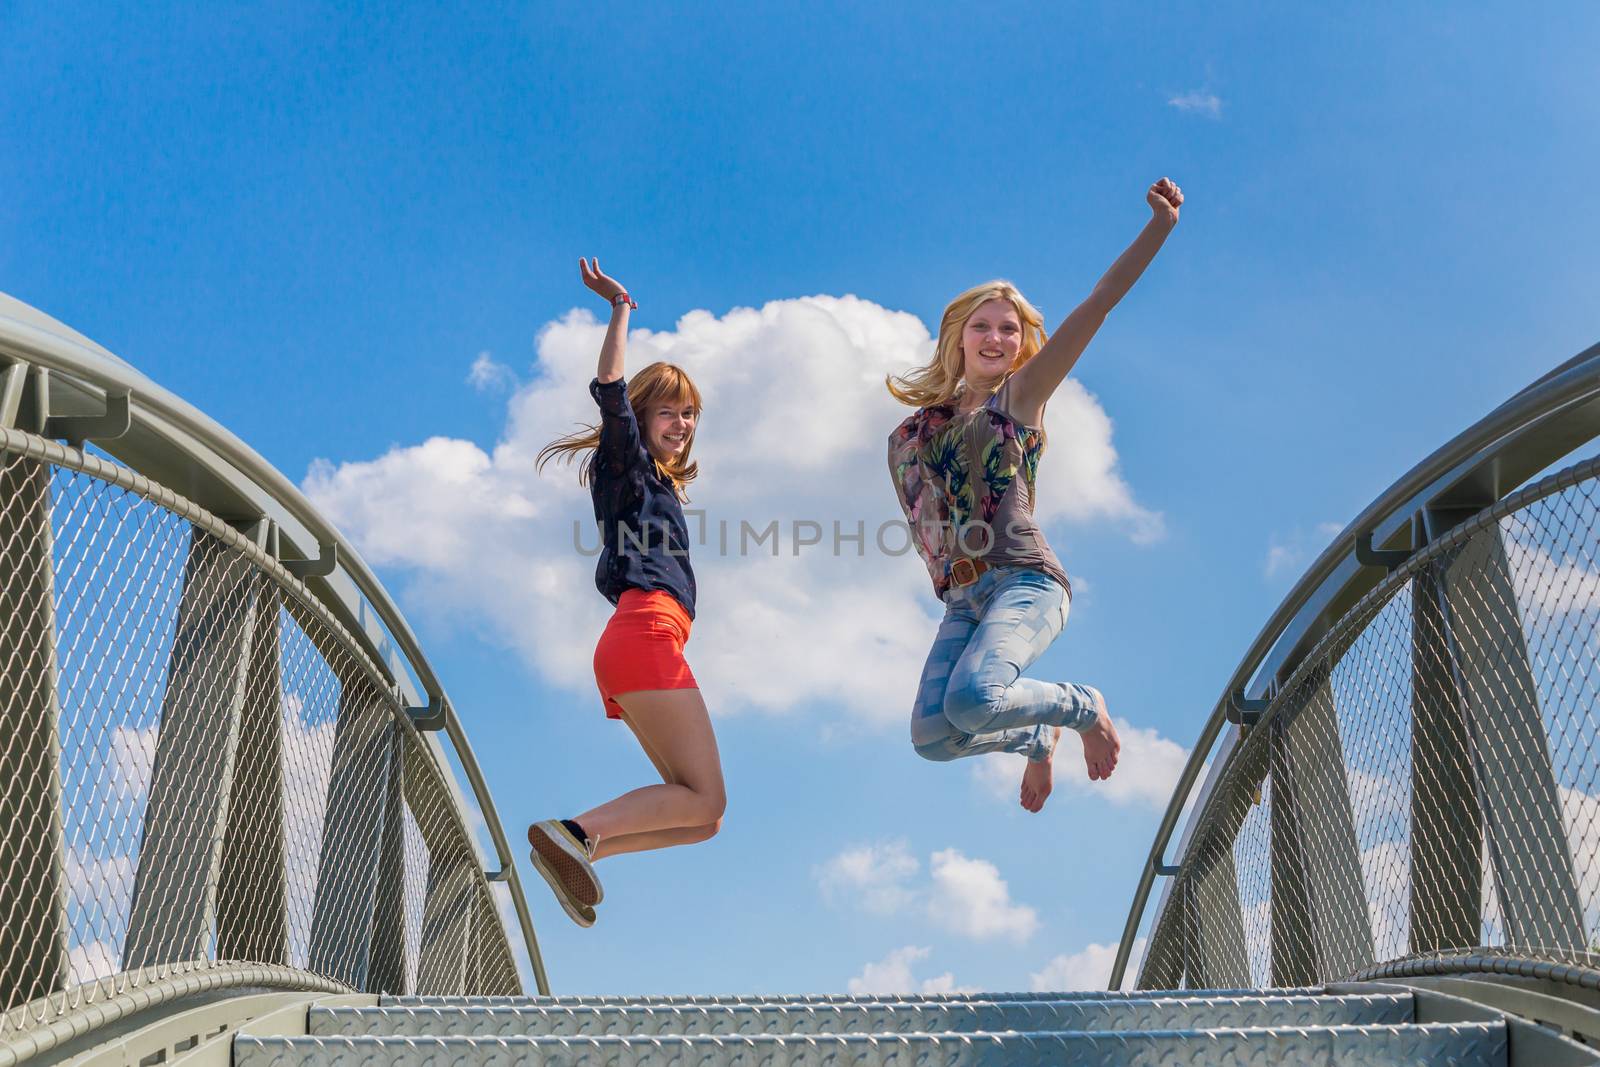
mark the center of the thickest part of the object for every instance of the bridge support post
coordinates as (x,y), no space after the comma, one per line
(363,788)
(252,896)
(1446,823)
(447,920)
(1221,961)
(175,890)
(1316,767)
(1293,948)
(1521,805)
(33,896)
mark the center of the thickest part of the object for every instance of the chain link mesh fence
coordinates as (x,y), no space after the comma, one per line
(1424,790)
(200,770)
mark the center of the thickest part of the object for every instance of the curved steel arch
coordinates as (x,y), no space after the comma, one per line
(1534,429)
(56,385)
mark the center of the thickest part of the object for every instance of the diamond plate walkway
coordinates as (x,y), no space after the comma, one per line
(1274,1027)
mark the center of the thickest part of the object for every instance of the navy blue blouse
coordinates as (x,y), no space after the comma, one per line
(644,539)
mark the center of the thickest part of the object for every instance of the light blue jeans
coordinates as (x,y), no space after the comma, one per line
(972,697)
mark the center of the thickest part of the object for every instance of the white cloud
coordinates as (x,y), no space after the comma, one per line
(1289,554)
(1199,102)
(1088,968)
(892,974)
(1147,770)
(969,897)
(132,760)
(873,876)
(966,896)
(1551,589)
(95,959)
(795,427)
(487,376)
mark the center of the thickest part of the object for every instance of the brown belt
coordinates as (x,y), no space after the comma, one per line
(966,571)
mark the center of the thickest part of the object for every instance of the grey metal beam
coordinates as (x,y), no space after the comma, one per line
(33,895)
(1517,786)
(1219,922)
(1327,826)
(1446,823)
(1291,941)
(388,970)
(352,835)
(446,926)
(175,891)
(252,898)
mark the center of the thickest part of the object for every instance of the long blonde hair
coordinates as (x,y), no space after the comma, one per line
(940,379)
(652,386)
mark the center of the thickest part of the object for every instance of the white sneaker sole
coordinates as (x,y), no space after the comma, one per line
(564,863)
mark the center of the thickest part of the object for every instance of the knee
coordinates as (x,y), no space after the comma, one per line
(713,803)
(970,705)
(940,751)
(934,739)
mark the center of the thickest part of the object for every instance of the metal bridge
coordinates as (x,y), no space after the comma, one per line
(240,821)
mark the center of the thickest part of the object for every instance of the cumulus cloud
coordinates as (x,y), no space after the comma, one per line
(963,895)
(93,959)
(794,432)
(875,877)
(1088,968)
(487,376)
(131,761)
(1288,554)
(971,898)
(892,974)
(1147,771)
(1198,102)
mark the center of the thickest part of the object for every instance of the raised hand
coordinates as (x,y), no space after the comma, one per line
(608,287)
(1164,198)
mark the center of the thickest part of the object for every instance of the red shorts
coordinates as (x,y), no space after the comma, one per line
(642,648)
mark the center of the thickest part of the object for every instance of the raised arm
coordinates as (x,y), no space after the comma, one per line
(617,332)
(1038,379)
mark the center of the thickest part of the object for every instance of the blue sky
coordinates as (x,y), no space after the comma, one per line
(312,222)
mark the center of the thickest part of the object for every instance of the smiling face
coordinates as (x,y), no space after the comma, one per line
(668,429)
(990,343)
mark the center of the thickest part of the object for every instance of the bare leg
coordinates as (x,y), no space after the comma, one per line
(685,835)
(674,729)
(1039,779)
(1101,745)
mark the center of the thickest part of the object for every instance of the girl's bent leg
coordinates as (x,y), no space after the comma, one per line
(987,692)
(933,735)
(674,729)
(684,835)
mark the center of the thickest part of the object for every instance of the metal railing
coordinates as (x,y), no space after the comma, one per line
(1410,784)
(214,769)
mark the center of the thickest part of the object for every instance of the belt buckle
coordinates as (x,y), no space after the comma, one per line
(956,572)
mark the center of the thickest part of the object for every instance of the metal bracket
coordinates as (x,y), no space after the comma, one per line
(502,875)
(431,717)
(1387,558)
(13,380)
(1166,871)
(314,568)
(1243,711)
(76,429)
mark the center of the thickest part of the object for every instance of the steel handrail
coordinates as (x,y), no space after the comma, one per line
(1576,380)
(66,355)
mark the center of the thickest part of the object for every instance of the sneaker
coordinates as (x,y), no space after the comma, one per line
(581,914)
(564,862)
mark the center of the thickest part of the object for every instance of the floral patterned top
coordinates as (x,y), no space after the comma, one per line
(966,485)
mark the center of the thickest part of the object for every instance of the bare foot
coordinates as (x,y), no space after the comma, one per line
(1100,743)
(1038,780)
